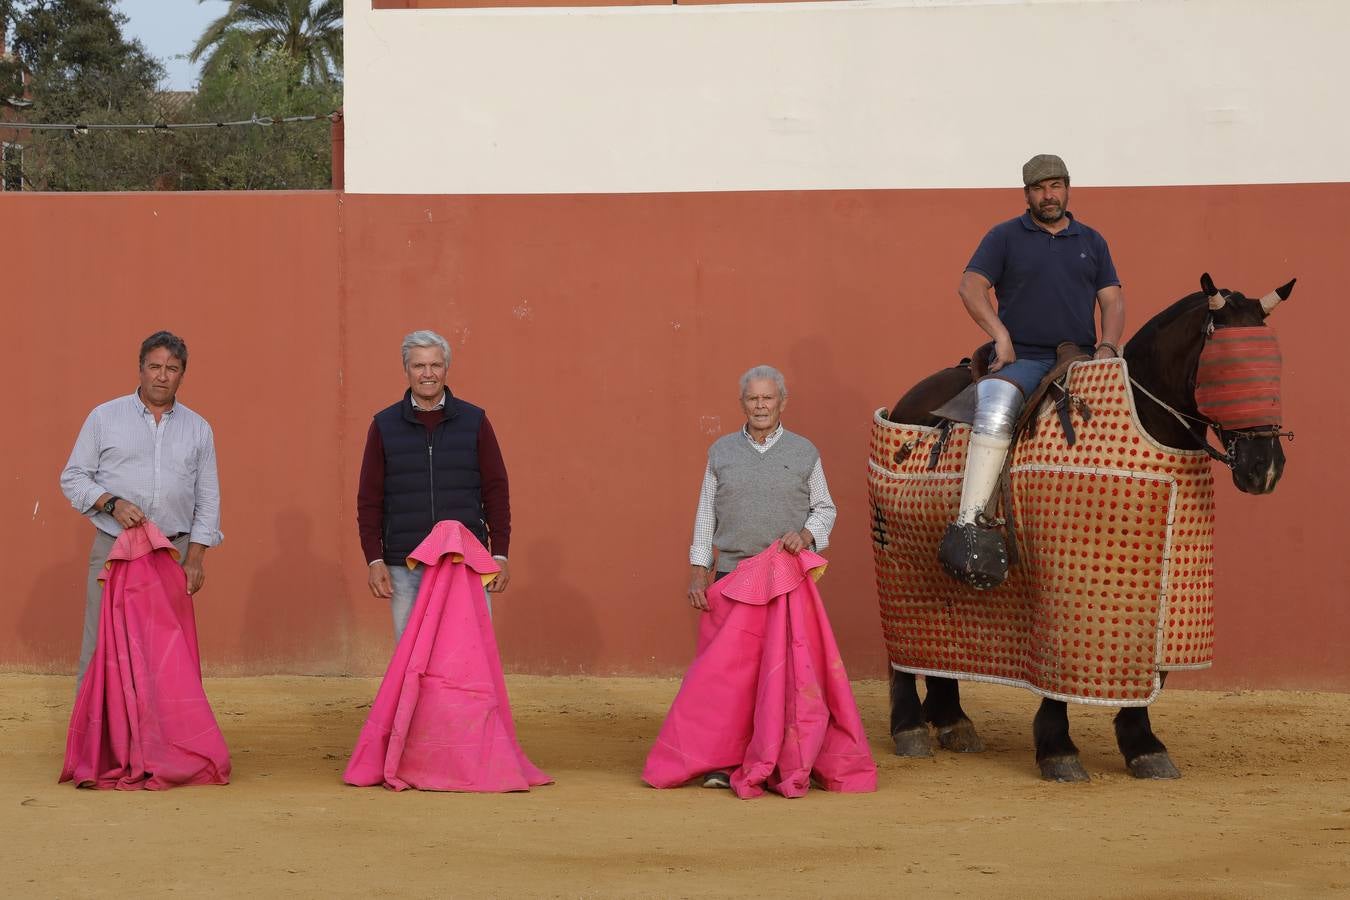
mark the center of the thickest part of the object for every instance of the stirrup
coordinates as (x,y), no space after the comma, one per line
(975,554)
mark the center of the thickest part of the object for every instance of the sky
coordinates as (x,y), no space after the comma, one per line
(168,29)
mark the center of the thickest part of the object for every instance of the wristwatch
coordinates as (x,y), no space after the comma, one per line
(108,507)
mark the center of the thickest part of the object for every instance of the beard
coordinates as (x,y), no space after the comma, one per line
(1048,212)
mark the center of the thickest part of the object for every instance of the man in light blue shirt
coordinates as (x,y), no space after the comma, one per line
(145,456)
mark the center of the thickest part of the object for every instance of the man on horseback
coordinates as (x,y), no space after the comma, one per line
(1048,271)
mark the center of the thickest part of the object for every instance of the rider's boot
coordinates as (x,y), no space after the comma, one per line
(973,548)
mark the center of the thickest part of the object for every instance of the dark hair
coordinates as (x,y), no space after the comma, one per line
(169,341)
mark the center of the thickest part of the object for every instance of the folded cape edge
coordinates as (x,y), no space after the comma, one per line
(154,540)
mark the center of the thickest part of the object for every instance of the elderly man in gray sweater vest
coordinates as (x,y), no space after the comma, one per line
(762,484)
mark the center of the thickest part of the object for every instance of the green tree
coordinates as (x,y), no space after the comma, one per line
(296,156)
(81,68)
(77,56)
(308,32)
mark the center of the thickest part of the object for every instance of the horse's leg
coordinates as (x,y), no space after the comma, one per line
(942,707)
(908,728)
(1145,755)
(1055,751)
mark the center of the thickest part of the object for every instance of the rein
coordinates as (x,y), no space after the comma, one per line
(1222,367)
(1227,456)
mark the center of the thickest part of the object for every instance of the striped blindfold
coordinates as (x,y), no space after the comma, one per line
(1238,382)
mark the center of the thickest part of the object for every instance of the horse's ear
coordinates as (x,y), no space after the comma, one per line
(1216,300)
(1275,297)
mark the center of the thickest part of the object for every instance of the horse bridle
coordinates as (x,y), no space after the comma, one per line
(1227,439)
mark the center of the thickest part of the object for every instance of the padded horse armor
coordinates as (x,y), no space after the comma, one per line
(1116,577)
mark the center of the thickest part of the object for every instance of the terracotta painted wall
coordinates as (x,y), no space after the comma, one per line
(251,282)
(604,334)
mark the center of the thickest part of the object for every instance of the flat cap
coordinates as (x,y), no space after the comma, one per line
(1043,166)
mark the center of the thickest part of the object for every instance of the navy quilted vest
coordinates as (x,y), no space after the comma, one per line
(429,475)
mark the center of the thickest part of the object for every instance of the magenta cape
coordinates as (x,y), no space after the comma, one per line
(441,720)
(141,719)
(766,697)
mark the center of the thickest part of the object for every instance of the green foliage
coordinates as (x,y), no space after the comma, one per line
(296,156)
(77,57)
(306,31)
(101,160)
(82,69)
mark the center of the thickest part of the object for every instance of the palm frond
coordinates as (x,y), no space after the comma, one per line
(307,31)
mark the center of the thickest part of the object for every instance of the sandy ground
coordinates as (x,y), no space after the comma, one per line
(1263,809)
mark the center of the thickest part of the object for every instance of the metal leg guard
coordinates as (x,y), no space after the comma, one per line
(984,464)
(973,551)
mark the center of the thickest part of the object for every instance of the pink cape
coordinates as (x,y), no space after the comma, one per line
(766,697)
(441,720)
(141,719)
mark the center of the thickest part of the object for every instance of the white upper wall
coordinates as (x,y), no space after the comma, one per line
(852,94)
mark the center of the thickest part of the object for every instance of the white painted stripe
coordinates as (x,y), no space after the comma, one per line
(865,95)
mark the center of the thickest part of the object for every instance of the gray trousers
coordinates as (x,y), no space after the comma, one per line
(93,594)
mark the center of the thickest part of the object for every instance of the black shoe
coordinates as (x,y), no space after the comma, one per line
(717,780)
(974,554)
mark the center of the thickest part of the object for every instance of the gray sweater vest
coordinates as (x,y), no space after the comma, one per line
(760,496)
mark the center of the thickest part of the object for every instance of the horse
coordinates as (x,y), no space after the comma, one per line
(1164,361)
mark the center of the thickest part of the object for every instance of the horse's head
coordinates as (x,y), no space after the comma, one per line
(1237,384)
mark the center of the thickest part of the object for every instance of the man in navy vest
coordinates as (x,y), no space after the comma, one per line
(1050,274)
(429,457)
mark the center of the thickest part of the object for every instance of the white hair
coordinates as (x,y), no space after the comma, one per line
(766,373)
(425,339)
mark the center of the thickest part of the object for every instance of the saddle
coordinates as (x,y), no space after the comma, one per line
(961,408)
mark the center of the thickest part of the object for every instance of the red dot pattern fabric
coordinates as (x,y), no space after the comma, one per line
(1115,581)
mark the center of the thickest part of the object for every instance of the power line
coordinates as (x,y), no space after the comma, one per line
(83,128)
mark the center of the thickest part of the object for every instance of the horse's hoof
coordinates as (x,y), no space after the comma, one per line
(1153,765)
(1064,769)
(912,742)
(960,738)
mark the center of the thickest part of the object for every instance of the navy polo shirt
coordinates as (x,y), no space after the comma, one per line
(1046,283)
